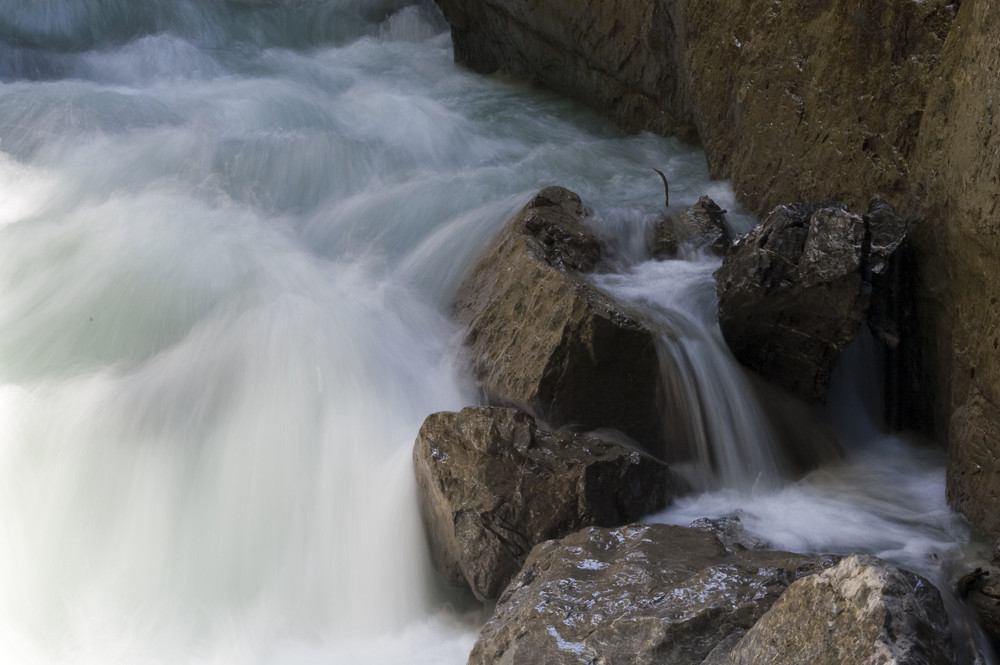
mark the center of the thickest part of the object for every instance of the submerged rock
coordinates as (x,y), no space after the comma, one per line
(541,338)
(493,485)
(860,611)
(794,291)
(636,594)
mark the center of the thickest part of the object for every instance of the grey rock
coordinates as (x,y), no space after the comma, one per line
(794,291)
(731,533)
(637,594)
(541,338)
(492,485)
(704,225)
(860,611)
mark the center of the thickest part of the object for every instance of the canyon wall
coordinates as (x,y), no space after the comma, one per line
(815,100)
(955,203)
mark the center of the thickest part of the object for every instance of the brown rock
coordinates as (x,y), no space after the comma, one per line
(636,594)
(492,485)
(859,611)
(973,467)
(799,100)
(541,338)
(616,57)
(957,238)
(981,589)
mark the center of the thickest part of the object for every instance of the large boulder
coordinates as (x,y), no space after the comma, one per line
(860,611)
(636,594)
(493,485)
(794,291)
(541,338)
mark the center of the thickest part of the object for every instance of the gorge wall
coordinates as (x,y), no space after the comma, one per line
(816,100)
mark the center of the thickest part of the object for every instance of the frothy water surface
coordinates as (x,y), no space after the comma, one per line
(229,232)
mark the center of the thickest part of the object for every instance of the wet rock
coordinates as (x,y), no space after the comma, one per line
(981,589)
(617,57)
(791,100)
(664,244)
(860,611)
(794,291)
(957,240)
(492,485)
(731,533)
(541,338)
(974,461)
(636,594)
(704,226)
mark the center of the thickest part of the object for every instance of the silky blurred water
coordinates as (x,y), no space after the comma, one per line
(229,233)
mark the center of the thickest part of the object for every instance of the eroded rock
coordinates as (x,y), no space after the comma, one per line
(794,291)
(635,594)
(493,485)
(541,338)
(860,611)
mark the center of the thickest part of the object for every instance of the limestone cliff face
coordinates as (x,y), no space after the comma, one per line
(812,100)
(956,201)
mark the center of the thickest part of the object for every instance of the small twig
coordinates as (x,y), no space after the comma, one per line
(666,186)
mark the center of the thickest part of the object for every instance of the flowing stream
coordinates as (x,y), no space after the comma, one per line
(229,232)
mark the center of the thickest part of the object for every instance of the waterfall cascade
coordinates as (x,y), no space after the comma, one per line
(229,232)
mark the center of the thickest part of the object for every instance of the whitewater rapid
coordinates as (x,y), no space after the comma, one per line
(229,235)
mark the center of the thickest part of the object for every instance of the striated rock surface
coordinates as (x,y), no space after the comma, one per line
(956,203)
(794,291)
(637,594)
(541,338)
(981,590)
(492,486)
(793,100)
(617,57)
(860,611)
(799,100)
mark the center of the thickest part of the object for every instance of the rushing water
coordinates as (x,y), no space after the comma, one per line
(229,232)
